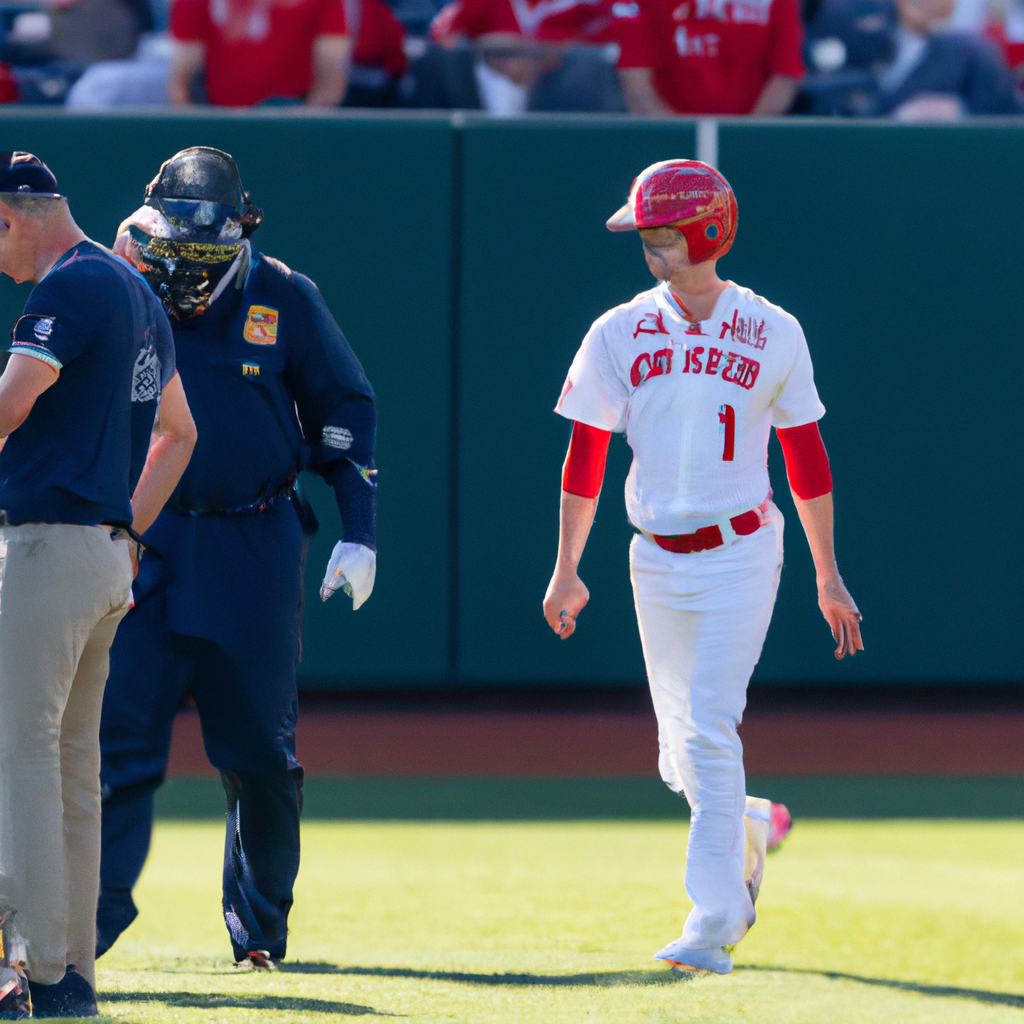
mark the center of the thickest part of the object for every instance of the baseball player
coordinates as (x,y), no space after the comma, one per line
(696,372)
(90,359)
(274,388)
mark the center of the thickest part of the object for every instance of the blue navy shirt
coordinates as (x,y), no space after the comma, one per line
(274,388)
(78,455)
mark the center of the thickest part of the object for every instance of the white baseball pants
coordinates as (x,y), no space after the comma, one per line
(64,590)
(703,618)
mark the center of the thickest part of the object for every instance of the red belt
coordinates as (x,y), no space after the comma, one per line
(709,537)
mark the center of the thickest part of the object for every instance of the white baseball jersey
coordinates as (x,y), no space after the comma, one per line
(696,401)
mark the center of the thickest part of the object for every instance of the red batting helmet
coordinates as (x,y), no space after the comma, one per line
(687,195)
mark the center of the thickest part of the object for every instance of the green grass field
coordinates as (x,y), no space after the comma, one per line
(860,922)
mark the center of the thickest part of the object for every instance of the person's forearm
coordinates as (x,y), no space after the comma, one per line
(357,505)
(777,96)
(177,93)
(167,461)
(330,71)
(640,95)
(329,90)
(186,60)
(816,518)
(174,437)
(576,516)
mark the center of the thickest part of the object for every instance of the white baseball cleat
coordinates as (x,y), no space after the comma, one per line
(679,955)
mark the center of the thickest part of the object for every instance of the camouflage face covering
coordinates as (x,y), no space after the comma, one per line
(185,258)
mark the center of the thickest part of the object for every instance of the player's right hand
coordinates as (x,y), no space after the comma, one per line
(566,597)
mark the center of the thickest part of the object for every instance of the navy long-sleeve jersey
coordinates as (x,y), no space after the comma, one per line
(274,388)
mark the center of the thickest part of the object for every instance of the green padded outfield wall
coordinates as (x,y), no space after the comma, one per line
(466,257)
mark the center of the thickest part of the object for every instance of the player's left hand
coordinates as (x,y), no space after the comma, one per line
(352,568)
(842,616)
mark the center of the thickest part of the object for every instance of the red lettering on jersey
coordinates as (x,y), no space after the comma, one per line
(693,363)
(746,331)
(641,368)
(647,366)
(729,328)
(714,358)
(655,319)
(727,417)
(741,371)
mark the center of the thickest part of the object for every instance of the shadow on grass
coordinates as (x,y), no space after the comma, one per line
(217,1000)
(655,977)
(596,979)
(942,991)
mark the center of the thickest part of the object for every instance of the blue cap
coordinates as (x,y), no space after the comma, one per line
(27,175)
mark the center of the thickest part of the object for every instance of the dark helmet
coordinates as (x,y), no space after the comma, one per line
(209,176)
(192,228)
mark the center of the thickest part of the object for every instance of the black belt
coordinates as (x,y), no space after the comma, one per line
(252,508)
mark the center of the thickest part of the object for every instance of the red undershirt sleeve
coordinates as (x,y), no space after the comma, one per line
(807,466)
(583,472)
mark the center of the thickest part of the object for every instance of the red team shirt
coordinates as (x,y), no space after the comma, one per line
(379,38)
(715,56)
(256,49)
(551,21)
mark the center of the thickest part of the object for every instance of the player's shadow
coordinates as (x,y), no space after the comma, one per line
(595,978)
(653,977)
(942,991)
(219,1000)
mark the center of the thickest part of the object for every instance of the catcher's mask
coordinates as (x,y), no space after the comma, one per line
(193,230)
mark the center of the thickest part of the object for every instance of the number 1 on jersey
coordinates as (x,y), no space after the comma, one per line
(727,417)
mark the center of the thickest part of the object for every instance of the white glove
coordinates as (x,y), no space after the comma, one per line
(352,568)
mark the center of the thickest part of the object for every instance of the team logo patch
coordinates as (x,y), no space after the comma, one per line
(261,326)
(43,328)
(251,369)
(146,376)
(337,437)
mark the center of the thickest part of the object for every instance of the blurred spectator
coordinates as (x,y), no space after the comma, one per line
(255,51)
(713,57)
(378,59)
(876,59)
(1006,30)
(90,30)
(378,63)
(508,56)
(8,86)
(49,49)
(140,82)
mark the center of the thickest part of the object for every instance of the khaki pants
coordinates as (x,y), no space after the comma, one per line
(63,590)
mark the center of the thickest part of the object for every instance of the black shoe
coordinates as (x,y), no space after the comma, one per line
(15,1003)
(72,996)
(115,912)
